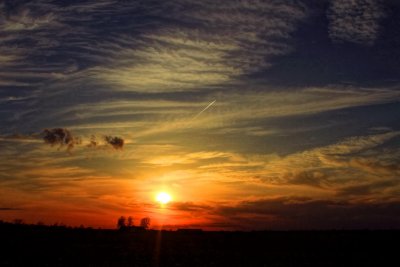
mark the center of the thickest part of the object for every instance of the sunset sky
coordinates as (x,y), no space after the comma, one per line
(251,114)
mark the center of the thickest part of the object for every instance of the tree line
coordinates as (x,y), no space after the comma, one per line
(124,223)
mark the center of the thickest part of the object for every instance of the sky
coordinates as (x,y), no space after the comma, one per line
(251,114)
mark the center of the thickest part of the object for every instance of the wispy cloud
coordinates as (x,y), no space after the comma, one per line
(334,168)
(24,20)
(177,57)
(355,21)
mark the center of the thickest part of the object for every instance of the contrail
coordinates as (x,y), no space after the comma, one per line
(209,105)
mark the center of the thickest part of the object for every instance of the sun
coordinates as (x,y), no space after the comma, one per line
(163,198)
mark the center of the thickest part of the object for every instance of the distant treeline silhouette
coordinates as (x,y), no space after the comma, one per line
(19,223)
(124,224)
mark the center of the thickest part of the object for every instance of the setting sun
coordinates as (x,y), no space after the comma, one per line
(163,198)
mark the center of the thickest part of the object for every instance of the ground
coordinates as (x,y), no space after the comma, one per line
(58,246)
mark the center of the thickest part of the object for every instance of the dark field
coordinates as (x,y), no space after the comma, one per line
(50,246)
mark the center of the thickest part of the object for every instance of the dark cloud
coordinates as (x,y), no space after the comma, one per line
(311,178)
(61,137)
(115,141)
(304,213)
(368,188)
(297,213)
(6,209)
(189,206)
(92,142)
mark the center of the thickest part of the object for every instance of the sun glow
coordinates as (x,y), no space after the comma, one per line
(163,198)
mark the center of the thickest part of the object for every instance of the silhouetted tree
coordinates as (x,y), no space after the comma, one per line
(18,221)
(130,221)
(145,222)
(121,223)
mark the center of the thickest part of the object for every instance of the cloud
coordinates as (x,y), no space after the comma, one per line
(115,141)
(28,29)
(92,142)
(306,177)
(190,207)
(306,213)
(338,168)
(212,44)
(61,137)
(211,49)
(180,157)
(358,143)
(25,20)
(378,164)
(64,137)
(233,113)
(20,137)
(355,21)
(293,213)
(338,164)
(8,209)
(370,188)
